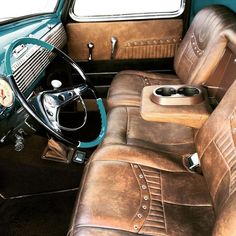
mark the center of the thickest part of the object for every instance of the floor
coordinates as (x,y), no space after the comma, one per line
(38,195)
(43,215)
(39,200)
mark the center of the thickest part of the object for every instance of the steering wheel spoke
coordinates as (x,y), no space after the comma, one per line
(53,101)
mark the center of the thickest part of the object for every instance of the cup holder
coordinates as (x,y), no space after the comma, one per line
(177,95)
(188,91)
(166,91)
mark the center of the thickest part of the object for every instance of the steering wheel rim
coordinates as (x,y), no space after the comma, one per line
(31,110)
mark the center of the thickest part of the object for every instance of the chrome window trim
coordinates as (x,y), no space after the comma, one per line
(125,17)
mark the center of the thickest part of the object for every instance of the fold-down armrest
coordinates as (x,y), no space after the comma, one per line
(188,115)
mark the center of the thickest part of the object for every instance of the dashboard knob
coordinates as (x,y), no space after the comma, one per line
(56,84)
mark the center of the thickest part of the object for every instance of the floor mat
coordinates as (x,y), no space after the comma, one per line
(44,215)
(26,173)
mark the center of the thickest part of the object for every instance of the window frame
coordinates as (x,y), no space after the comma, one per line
(125,17)
(19,18)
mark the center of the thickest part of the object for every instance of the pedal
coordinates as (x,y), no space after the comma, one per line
(79,157)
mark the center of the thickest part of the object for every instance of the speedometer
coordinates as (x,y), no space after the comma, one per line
(6,94)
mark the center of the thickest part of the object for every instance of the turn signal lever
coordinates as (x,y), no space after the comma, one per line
(90,46)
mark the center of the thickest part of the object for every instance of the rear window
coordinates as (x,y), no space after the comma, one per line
(11,9)
(102,10)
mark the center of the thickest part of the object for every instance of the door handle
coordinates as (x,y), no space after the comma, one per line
(114,42)
(90,46)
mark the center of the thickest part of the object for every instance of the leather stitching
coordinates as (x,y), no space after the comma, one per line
(155,222)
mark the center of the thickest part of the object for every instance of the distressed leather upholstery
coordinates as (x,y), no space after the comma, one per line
(195,60)
(126,127)
(130,194)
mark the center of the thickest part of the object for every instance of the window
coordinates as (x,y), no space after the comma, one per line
(11,9)
(102,10)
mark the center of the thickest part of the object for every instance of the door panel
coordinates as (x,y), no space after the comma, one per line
(146,39)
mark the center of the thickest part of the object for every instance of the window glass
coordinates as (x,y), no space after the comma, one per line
(125,8)
(11,9)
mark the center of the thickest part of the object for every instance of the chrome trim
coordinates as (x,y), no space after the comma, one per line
(27,69)
(125,17)
(40,194)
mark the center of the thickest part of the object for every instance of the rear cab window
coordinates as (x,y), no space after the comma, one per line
(111,10)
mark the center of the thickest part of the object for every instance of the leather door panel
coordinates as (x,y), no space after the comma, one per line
(150,39)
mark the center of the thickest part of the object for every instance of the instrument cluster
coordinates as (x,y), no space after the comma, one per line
(6,95)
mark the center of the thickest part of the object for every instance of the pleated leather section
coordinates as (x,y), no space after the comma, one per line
(154,48)
(155,222)
(150,218)
(225,145)
(195,60)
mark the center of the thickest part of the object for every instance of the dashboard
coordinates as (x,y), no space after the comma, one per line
(28,61)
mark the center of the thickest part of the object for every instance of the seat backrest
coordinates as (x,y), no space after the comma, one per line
(204,44)
(216,146)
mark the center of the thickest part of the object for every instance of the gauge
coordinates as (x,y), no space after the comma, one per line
(6,94)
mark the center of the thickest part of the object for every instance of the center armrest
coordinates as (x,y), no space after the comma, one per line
(189,115)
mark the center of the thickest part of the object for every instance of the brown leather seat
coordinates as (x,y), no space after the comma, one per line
(126,127)
(130,196)
(194,62)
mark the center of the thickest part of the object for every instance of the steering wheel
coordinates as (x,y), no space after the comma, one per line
(45,107)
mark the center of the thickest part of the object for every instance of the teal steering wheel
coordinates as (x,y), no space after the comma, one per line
(46,113)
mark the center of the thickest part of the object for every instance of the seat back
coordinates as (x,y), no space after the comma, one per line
(204,44)
(215,143)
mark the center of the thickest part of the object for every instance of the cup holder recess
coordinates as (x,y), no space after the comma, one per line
(166,91)
(188,91)
(177,95)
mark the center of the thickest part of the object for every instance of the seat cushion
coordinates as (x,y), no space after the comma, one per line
(121,198)
(141,156)
(126,127)
(126,87)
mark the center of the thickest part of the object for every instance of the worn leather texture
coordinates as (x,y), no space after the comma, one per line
(126,127)
(204,44)
(224,74)
(195,60)
(141,156)
(127,86)
(139,199)
(136,39)
(129,194)
(216,148)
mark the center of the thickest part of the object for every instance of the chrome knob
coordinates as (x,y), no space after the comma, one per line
(56,84)
(90,46)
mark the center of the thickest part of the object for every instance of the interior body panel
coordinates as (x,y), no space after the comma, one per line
(135,39)
(147,44)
